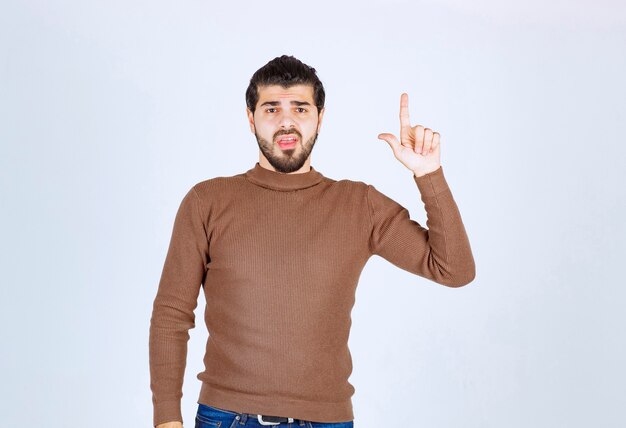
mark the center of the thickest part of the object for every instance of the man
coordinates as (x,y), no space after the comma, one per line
(278,251)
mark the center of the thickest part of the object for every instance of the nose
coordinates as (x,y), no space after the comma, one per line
(286,120)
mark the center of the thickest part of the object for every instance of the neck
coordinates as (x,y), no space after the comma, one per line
(272,179)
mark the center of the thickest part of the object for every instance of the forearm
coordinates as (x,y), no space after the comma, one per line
(450,256)
(168,357)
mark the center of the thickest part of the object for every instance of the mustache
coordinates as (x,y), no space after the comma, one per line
(291,131)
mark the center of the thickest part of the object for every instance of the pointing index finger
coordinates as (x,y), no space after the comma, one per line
(404,110)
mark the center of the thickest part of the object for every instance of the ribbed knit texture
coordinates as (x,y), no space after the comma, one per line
(278,257)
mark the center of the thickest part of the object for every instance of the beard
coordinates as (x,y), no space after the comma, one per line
(288,160)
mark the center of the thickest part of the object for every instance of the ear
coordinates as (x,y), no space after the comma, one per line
(320,117)
(250,119)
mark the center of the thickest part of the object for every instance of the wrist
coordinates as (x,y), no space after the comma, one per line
(418,174)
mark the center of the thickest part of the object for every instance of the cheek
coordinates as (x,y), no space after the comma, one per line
(309,127)
(265,128)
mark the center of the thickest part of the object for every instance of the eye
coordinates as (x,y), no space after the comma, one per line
(267,110)
(301,108)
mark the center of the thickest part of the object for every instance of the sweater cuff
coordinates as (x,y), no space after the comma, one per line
(167,411)
(433,183)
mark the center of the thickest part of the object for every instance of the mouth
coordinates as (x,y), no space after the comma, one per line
(288,141)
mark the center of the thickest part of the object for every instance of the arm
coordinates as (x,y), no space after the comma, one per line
(173,309)
(442,252)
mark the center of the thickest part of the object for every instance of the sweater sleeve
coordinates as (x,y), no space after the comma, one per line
(441,253)
(173,308)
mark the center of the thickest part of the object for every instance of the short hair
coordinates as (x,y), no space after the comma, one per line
(285,71)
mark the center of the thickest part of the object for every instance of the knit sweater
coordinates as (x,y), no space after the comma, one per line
(278,257)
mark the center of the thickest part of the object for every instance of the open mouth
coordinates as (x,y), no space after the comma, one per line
(287,141)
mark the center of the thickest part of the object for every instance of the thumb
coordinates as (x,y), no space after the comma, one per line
(391,140)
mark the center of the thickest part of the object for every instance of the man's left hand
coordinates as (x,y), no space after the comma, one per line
(419,148)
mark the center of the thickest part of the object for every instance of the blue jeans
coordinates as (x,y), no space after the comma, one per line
(212,417)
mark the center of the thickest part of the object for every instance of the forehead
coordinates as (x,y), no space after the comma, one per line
(277,93)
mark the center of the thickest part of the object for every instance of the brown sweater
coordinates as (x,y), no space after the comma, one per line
(279,257)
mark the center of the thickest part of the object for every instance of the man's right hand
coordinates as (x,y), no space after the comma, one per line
(175,424)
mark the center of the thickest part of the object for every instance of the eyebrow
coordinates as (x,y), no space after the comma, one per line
(277,103)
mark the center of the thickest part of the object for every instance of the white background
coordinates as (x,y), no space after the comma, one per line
(111,110)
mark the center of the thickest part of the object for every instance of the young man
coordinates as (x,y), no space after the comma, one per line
(278,251)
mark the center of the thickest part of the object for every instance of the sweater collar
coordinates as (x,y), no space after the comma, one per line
(280,181)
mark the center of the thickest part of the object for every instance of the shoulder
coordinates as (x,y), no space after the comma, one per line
(345,183)
(215,186)
(346,191)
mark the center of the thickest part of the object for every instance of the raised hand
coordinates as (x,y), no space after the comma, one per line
(419,148)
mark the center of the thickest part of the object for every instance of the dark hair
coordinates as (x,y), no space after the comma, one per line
(285,71)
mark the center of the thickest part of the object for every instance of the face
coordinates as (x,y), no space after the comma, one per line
(286,125)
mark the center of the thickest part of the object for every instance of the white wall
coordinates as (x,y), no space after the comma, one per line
(110,111)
